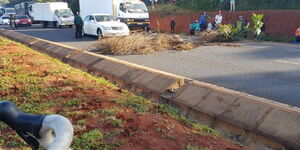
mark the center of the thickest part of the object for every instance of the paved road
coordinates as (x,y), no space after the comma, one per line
(267,70)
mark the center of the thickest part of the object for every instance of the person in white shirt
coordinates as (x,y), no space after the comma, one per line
(218,18)
(209,27)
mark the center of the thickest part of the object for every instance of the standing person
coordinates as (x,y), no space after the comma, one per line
(11,20)
(203,21)
(263,28)
(221,4)
(14,21)
(197,27)
(245,29)
(209,27)
(297,34)
(172,24)
(79,24)
(232,5)
(239,24)
(191,26)
(218,18)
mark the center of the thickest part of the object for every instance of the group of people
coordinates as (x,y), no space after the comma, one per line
(205,23)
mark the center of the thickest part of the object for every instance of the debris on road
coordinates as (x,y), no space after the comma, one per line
(142,43)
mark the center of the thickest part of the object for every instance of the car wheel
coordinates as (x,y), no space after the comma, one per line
(70,26)
(99,33)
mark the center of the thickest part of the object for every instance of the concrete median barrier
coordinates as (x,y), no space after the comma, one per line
(256,122)
(244,113)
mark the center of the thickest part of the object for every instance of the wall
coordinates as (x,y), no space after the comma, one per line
(278,22)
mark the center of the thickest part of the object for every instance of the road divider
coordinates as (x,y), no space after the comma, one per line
(256,122)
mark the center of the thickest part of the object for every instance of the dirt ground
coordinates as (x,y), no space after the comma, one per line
(104,116)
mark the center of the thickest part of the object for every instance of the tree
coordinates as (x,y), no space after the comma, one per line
(2,2)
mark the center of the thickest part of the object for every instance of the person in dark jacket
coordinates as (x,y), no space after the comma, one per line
(172,24)
(79,24)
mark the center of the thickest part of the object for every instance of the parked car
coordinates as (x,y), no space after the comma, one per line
(4,20)
(103,25)
(23,20)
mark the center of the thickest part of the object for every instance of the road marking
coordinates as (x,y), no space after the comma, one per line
(288,62)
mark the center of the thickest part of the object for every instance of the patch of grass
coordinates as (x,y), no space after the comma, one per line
(120,143)
(176,115)
(81,122)
(73,102)
(68,82)
(191,147)
(169,9)
(171,137)
(279,39)
(111,135)
(113,120)
(109,112)
(137,103)
(90,140)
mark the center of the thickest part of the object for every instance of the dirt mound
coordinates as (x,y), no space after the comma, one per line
(104,116)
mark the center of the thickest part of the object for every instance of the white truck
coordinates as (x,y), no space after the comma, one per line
(56,13)
(6,11)
(132,12)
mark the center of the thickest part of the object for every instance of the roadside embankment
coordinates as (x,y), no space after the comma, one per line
(259,123)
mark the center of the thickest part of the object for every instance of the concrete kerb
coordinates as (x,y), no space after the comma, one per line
(150,80)
(249,113)
(257,119)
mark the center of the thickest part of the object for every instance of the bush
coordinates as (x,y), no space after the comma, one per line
(229,33)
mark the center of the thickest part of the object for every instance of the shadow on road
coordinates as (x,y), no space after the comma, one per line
(278,86)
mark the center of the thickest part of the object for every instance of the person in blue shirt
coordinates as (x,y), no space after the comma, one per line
(197,27)
(203,21)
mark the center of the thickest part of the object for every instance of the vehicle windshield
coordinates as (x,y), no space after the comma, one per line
(21,17)
(1,11)
(65,13)
(5,17)
(9,10)
(136,7)
(104,18)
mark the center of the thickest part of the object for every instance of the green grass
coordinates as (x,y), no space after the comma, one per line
(112,134)
(279,39)
(73,102)
(109,112)
(137,103)
(168,10)
(176,115)
(113,120)
(90,140)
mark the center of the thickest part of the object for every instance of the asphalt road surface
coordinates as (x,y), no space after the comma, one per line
(268,70)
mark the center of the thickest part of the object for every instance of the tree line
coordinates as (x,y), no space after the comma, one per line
(74,4)
(240,4)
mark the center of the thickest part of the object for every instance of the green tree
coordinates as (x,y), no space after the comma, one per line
(3,2)
(257,23)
